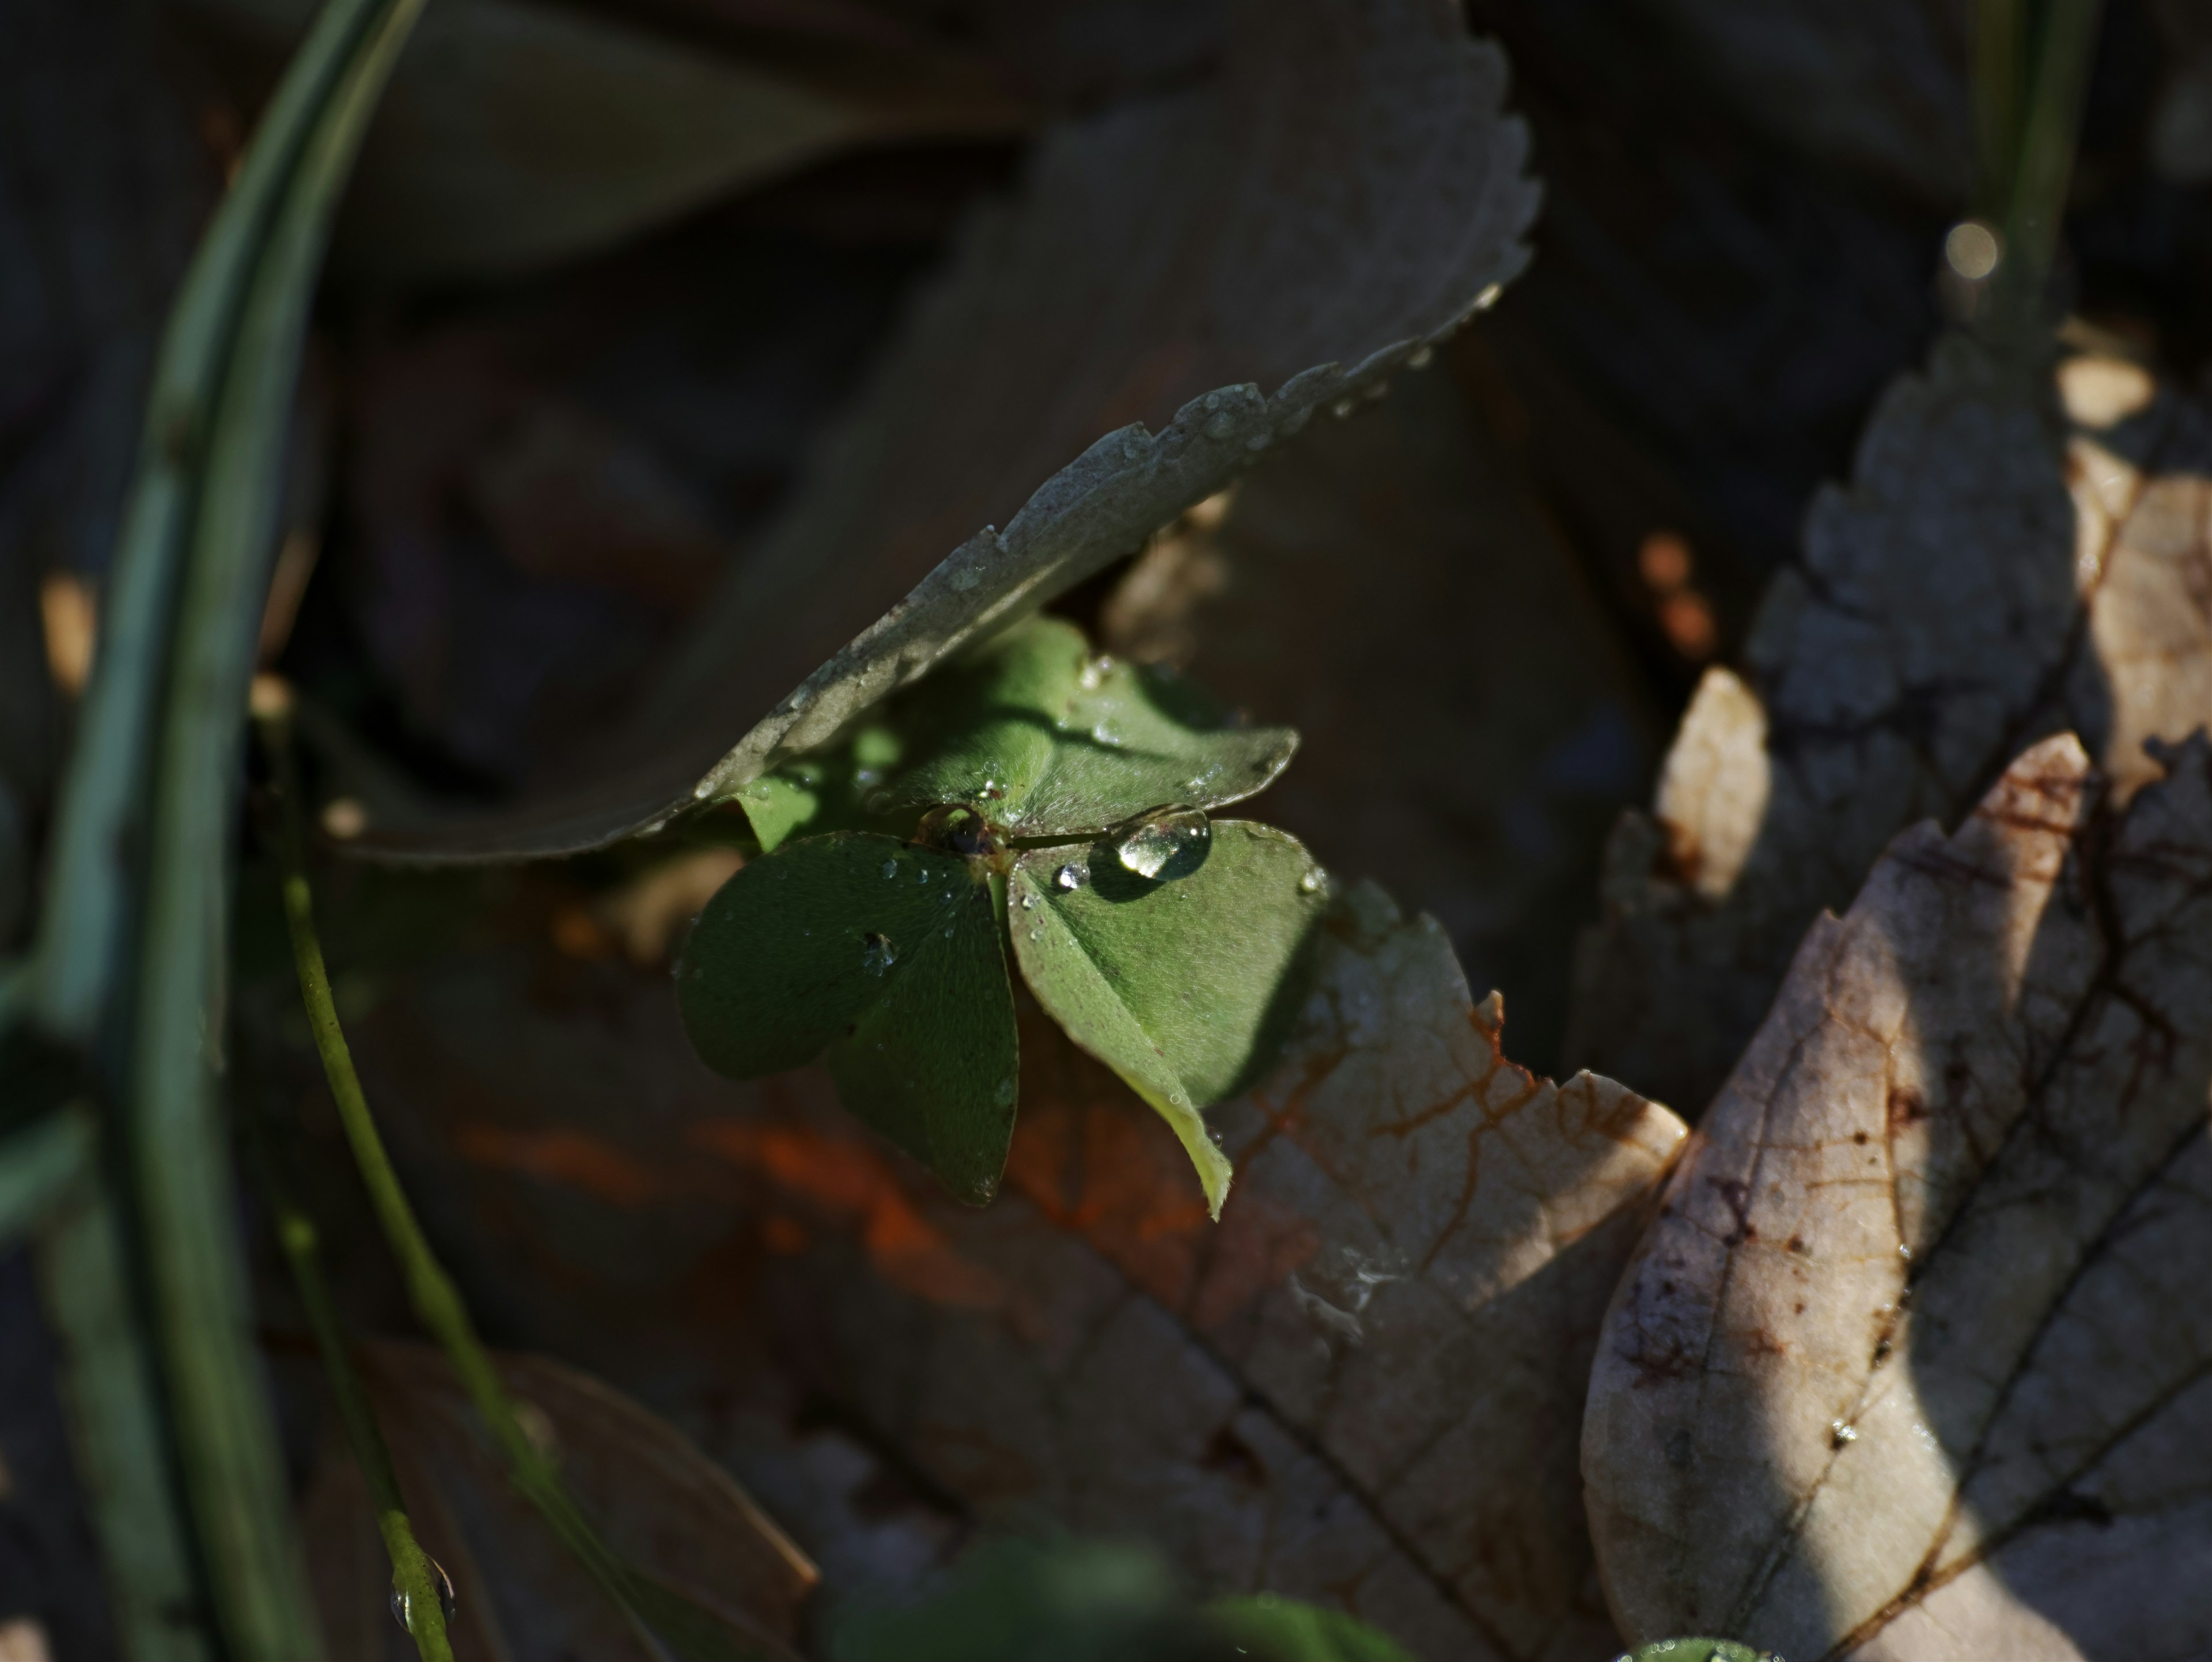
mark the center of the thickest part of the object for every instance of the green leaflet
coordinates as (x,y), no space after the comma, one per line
(1280,1630)
(886,955)
(840,790)
(1050,744)
(1183,982)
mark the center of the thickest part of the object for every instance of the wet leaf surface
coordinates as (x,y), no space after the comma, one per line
(1185,979)
(1172,232)
(887,956)
(1913,1363)
(733,1583)
(1954,604)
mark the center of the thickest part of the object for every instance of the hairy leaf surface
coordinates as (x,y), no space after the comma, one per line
(1160,268)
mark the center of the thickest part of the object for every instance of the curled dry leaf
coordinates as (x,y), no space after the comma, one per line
(1955,603)
(1913,1364)
(672,1515)
(1347,192)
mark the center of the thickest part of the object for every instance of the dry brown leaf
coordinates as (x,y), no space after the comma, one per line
(1468,726)
(1347,190)
(1879,86)
(661,1506)
(1361,1386)
(1916,1363)
(1954,605)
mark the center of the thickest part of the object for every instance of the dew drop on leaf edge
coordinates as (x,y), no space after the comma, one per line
(446,1600)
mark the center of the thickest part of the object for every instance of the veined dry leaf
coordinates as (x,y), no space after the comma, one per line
(1913,1364)
(1953,605)
(1361,1387)
(517,135)
(667,1511)
(1347,192)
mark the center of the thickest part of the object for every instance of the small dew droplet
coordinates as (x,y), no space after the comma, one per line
(890,868)
(400,1613)
(876,953)
(1067,878)
(1420,357)
(1029,903)
(1841,1432)
(1312,881)
(1004,1093)
(1341,408)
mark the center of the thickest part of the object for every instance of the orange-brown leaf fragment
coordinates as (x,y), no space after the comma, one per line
(1916,1363)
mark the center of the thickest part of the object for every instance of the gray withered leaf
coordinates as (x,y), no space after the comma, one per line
(1221,264)
(884,954)
(1913,1364)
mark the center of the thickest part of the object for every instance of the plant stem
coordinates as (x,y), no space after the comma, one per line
(436,1302)
(413,1579)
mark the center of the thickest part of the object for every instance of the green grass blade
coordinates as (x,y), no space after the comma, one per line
(134,939)
(115,1421)
(412,1578)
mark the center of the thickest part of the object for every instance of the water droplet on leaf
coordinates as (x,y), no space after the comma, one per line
(1068,878)
(1420,357)
(1169,838)
(890,868)
(876,953)
(1311,882)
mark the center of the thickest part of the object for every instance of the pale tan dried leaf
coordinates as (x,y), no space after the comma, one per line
(518,135)
(1955,603)
(1361,1386)
(1347,192)
(1915,1362)
(662,1508)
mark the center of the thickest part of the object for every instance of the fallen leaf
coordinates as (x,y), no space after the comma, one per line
(1361,1387)
(1347,192)
(1954,605)
(670,1515)
(1912,1364)
(516,136)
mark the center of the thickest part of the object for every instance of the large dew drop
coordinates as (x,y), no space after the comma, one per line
(401,1611)
(1168,843)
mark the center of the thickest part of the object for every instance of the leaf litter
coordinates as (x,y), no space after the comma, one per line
(1090,1352)
(1991,577)
(1913,1364)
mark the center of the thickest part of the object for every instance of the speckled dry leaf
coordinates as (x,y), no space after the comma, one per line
(516,136)
(663,1507)
(1361,1387)
(1954,605)
(1347,190)
(1913,1364)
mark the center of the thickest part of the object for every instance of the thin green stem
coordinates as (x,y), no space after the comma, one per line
(415,1581)
(436,1302)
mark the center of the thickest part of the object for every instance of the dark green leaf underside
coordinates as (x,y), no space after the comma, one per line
(887,956)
